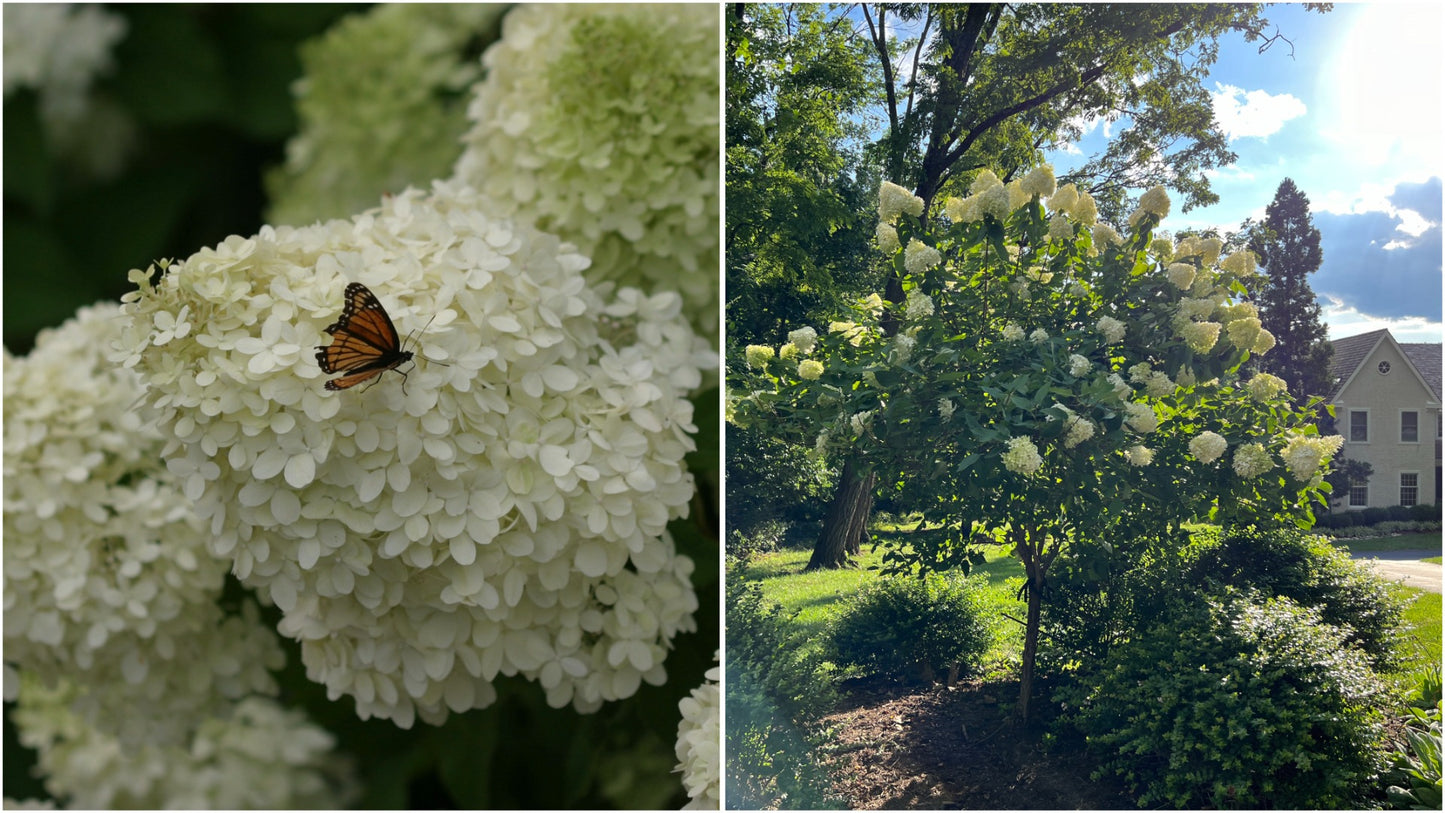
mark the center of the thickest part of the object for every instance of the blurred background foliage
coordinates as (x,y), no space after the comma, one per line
(199,108)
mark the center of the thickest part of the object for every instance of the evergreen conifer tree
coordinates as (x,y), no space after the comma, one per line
(1288,247)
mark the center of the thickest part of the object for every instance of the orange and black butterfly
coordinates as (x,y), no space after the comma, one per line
(364,342)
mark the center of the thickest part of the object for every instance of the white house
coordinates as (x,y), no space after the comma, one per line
(1386,397)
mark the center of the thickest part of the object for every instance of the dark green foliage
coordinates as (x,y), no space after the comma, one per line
(769,479)
(1288,247)
(1311,572)
(775,688)
(1414,780)
(1237,702)
(906,626)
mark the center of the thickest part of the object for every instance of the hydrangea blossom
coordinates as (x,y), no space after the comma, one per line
(962,210)
(599,122)
(382,106)
(1207,446)
(1077,429)
(859,422)
(502,514)
(918,306)
(1304,454)
(758,355)
(1181,275)
(59,50)
(1060,228)
(1200,336)
(260,756)
(107,578)
(1078,365)
(699,743)
(902,349)
(1247,334)
(804,338)
(1013,332)
(1264,387)
(919,257)
(810,370)
(1251,460)
(1240,264)
(945,408)
(853,332)
(787,352)
(1064,200)
(1154,202)
(984,181)
(1040,181)
(894,200)
(1111,329)
(1140,418)
(1039,336)
(887,237)
(1139,455)
(994,202)
(1022,456)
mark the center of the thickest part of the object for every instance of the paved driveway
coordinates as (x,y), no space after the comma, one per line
(1405,566)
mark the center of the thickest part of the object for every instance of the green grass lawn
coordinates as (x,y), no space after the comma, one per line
(1422,622)
(1421,541)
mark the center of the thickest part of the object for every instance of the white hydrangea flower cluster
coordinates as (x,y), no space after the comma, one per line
(859,422)
(1078,205)
(1251,460)
(919,257)
(758,355)
(1039,336)
(1181,275)
(1207,446)
(946,408)
(699,743)
(810,369)
(59,49)
(1077,429)
(1060,228)
(804,338)
(1265,387)
(107,578)
(1022,456)
(599,122)
(1304,454)
(382,106)
(1200,336)
(503,514)
(1013,333)
(1140,417)
(1111,329)
(1078,365)
(902,348)
(895,201)
(260,756)
(918,306)
(1040,181)
(1154,202)
(1139,455)
(853,333)
(887,237)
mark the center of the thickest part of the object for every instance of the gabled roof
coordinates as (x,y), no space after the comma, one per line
(1426,358)
(1351,352)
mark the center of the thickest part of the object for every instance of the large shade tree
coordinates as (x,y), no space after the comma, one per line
(986,84)
(1049,384)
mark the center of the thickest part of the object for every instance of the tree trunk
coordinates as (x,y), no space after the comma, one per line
(1029,551)
(845,521)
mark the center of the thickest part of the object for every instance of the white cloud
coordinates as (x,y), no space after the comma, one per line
(1343,321)
(1253,113)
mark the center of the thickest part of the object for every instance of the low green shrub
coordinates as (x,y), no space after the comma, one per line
(1414,783)
(765,537)
(1311,572)
(1235,702)
(906,626)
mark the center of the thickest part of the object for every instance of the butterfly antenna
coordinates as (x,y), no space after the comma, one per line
(423,330)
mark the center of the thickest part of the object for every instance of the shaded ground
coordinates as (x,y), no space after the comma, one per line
(940,748)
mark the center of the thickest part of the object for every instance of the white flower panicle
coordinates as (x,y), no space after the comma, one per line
(894,200)
(810,369)
(1111,329)
(1200,336)
(1013,333)
(699,744)
(945,408)
(1251,460)
(260,756)
(859,422)
(804,338)
(758,355)
(918,306)
(1078,365)
(599,123)
(1140,418)
(1139,455)
(1181,275)
(962,210)
(107,577)
(1265,387)
(1060,228)
(1077,429)
(1207,446)
(1304,454)
(1022,456)
(503,514)
(1040,181)
(919,257)
(1039,336)
(887,238)
(1154,202)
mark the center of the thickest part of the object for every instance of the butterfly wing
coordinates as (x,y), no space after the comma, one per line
(364,341)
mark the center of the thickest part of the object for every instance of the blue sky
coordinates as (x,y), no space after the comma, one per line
(1355,119)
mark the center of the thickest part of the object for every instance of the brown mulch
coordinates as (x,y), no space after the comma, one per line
(936,747)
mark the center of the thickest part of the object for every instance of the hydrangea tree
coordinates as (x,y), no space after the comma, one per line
(1053,383)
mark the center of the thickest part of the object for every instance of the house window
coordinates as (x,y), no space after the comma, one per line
(1359,426)
(1359,495)
(1409,488)
(1409,426)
